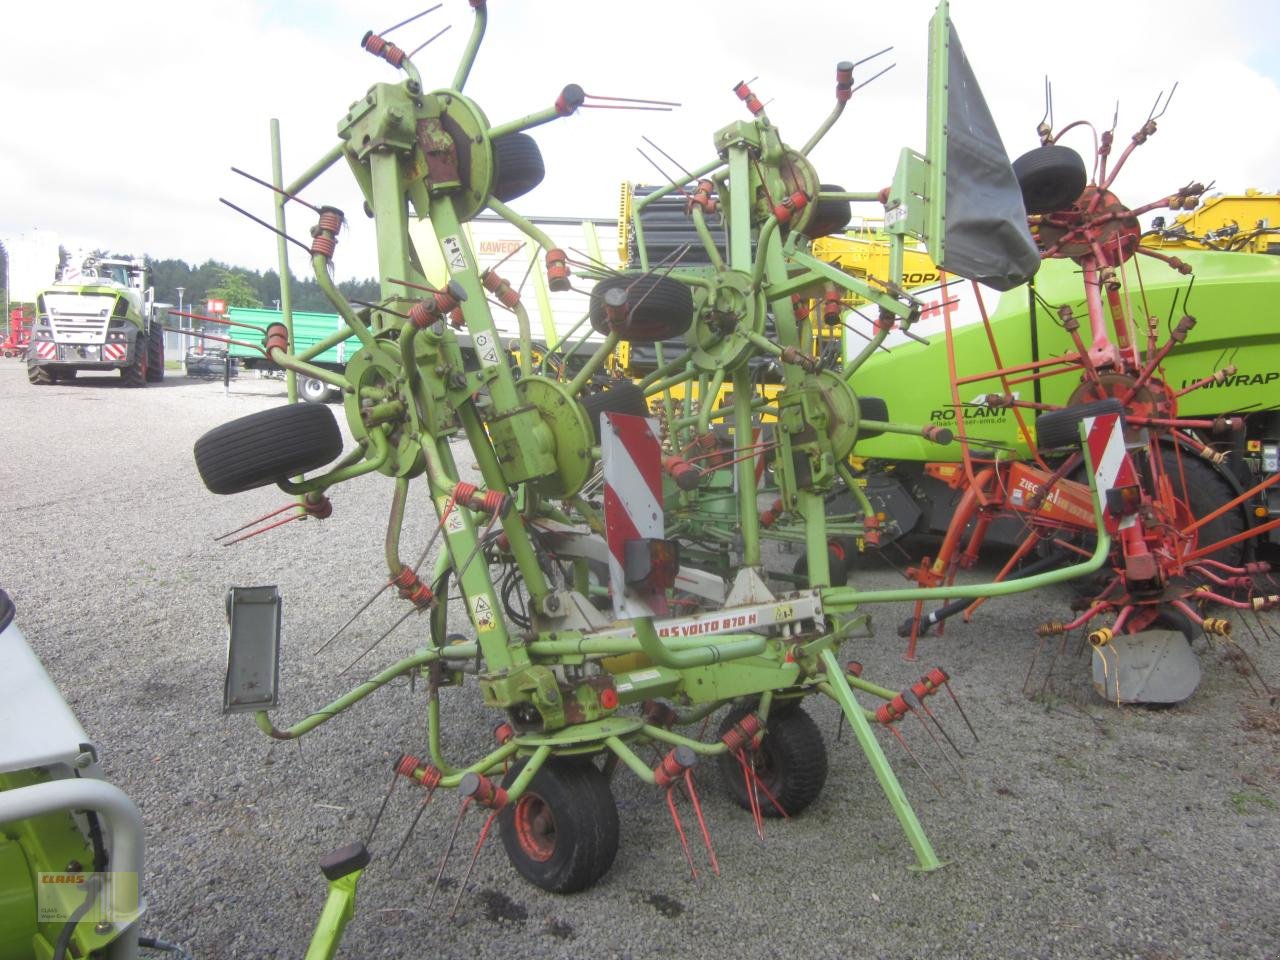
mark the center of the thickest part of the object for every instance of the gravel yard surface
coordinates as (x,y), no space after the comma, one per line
(1073,829)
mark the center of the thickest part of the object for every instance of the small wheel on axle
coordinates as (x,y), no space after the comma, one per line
(561,834)
(791,763)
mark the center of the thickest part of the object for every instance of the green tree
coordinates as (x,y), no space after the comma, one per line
(235,287)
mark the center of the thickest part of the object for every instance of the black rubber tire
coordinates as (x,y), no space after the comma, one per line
(1052,177)
(1059,429)
(39,376)
(135,374)
(517,166)
(871,408)
(621,396)
(658,308)
(829,215)
(562,833)
(311,390)
(791,762)
(155,353)
(1208,490)
(267,447)
(837,564)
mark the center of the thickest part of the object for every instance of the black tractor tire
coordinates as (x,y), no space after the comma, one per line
(1052,178)
(871,408)
(658,308)
(829,215)
(311,390)
(561,834)
(791,762)
(837,563)
(155,353)
(135,373)
(1059,429)
(1207,490)
(621,396)
(39,376)
(267,447)
(517,166)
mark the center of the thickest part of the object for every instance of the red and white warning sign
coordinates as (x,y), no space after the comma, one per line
(1112,467)
(632,455)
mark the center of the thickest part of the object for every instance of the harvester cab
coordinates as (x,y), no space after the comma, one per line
(100,315)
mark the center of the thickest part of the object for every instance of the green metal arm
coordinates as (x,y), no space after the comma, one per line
(339,908)
(462,651)
(473,46)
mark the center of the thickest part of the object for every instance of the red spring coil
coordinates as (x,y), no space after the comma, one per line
(421,315)
(494,503)
(277,338)
(557,270)
(503,732)
(706,442)
(323,245)
(412,588)
(483,791)
(790,205)
(425,773)
(456,319)
(505,293)
(394,55)
(770,516)
(831,305)
(701,197)
(888,713)
(373,43)
(330,220)
(743,733)
(871,530)
(750,99)
(853,668)
(673,765)
(464,492)
(844,81)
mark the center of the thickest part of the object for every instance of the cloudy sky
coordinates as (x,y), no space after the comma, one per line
(121,121)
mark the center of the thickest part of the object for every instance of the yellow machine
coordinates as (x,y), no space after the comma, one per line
(1248,222)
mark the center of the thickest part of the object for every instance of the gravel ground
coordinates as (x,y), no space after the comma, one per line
(1073,829)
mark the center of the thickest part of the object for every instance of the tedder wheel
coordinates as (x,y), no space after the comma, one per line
(1206,490)
(312,390)
(1060,428)
(829,215)
(155,353)
(621,396)
(267,447)
(837,563)
(517,166)
(654,308)
(1051,177)
(135,374)
(871,408)
(40,376)
(791,762)
(562,834)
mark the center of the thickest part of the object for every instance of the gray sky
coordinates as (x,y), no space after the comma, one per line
(122,121)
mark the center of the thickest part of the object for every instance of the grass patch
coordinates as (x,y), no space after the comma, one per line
(1242,800)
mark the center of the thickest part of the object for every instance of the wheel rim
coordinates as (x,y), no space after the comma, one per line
(535,827)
